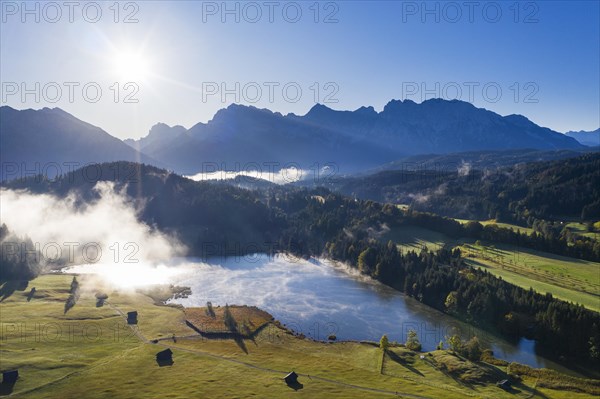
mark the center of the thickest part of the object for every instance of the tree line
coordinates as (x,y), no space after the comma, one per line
(520,194)
(318,222)
(342,229)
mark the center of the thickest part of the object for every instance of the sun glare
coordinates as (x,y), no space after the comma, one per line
(131,66)
(127,275)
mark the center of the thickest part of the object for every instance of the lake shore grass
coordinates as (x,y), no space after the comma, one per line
(98,353)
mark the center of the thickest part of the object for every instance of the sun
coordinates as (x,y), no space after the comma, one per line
(131,66)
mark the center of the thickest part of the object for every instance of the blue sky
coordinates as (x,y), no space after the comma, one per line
(540,59)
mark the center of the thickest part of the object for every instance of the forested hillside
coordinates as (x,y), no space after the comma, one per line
(215,219)
(551,190)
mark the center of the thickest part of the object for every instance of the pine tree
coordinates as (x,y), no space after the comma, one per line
(384,343)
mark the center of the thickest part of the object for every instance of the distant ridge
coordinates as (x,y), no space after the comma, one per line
(51,141)
(352,139)
(245,137)
(591,138)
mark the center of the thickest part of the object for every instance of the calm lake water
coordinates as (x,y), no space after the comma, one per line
(319,298)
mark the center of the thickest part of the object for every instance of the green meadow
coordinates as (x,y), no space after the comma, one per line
(91,350)
(570,279)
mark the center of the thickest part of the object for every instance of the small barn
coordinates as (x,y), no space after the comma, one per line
(164,358)
(132,317)
(10,377)
(167,354)
(291,378)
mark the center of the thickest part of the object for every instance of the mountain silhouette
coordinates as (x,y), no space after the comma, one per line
(353,140)
(245,137)
(52,141)
(591,139)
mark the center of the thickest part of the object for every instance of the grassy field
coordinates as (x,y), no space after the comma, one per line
(569,279)
(45,344)
(581,229)
(412,238)
(503,225)
(98,354)
(566,278)
(576,227)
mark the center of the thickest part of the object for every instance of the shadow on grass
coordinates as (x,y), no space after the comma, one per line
(442,368)
(495,371)
(232,325)
(232,333)
(520,387)
(10,286)
(295,385)
(239,340)
(6,388)
(394,357)
(71,300)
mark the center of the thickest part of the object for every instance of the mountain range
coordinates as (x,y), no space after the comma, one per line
(591,139)
(50,141)
(245,137)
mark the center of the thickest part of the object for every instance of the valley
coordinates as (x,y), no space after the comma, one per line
(324,199)
(92,345)
(335,272)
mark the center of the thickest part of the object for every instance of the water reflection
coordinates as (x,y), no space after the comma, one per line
(319,298)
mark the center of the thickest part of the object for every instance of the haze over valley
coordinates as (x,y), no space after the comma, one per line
(312,199)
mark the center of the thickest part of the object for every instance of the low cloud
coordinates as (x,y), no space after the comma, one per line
(419,198)
(464,169)
(441,189)
(68,231)
(282,176)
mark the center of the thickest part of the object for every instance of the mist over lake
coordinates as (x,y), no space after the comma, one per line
(318,298)
(259,200)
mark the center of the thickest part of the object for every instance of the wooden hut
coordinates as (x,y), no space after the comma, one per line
(291,378)
(165,355)
(164,358)
(132,317)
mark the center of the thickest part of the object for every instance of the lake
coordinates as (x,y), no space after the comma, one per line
(319,298)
